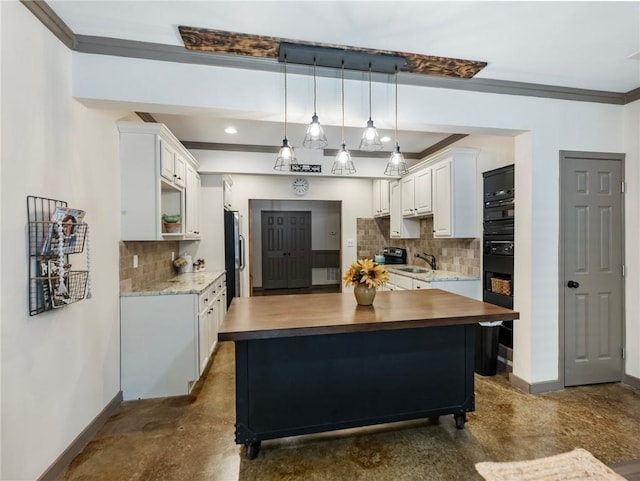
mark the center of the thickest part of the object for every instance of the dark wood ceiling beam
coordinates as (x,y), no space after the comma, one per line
(221,41)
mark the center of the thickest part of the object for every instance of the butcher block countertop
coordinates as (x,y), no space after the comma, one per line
(315,314)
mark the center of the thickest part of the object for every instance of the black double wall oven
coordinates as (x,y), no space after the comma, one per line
(498,243)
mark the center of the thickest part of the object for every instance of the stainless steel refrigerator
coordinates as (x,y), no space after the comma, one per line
(233,253)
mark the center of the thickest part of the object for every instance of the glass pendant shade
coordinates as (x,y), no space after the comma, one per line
(286,156)
(343,165)
(315,137)
(370,141)
(396,164)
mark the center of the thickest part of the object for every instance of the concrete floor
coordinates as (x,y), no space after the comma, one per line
(192,438)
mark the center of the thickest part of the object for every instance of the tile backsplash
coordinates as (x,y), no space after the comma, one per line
(456,255)
(154,263)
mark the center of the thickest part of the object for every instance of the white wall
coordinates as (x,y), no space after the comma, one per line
(349,191)
(59,368)
(553,125)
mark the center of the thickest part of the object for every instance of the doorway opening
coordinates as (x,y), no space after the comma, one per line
(295,246)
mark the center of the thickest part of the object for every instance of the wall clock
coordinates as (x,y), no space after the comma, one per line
(300,186)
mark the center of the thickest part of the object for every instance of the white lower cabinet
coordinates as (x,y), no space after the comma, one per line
(167,340)
(469,288)
(465,287)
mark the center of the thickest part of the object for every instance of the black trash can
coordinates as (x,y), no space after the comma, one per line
(486,349)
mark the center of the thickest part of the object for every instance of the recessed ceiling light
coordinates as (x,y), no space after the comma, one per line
(385,139)
(231,130)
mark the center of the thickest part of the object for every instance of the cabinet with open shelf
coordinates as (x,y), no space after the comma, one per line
(158,180)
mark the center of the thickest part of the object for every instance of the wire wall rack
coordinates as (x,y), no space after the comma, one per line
(55,232)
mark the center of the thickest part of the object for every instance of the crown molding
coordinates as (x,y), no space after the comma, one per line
(146,116)
(52,21)
(632,96)
(172,53)
(260,149)
(446,142)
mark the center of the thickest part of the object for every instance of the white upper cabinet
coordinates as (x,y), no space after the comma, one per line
(172,164)
(455,205)
(153,174)
(400,227)
(380,198)
(408,189)
(416,193)
(192,194)
(423,199)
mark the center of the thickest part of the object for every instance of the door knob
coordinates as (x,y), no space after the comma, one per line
(573,284)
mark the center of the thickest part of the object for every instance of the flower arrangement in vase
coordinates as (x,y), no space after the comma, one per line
(366,275)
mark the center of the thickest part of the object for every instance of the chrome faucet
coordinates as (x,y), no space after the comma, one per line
(429,259)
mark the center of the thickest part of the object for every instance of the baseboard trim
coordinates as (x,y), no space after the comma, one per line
(537,388)
(634,382)
(59,465)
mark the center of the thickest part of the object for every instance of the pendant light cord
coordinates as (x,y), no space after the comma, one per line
(369,90)
(285,95)
(343,101)
(314,87)
(396,130)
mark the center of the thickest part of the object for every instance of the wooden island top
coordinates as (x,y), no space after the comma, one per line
(315,314)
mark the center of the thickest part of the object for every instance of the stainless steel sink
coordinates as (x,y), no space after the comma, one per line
(414,270)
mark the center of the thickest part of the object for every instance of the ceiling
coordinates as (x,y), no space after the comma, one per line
(577,45)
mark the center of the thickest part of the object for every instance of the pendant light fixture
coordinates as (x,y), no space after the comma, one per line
(286,155)
(343,164)
(315,137)
(396,164)
(370,141)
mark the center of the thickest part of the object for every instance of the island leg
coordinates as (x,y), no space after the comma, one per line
(252,449)
(460,419)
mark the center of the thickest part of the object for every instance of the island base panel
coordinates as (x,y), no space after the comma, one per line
(301,385)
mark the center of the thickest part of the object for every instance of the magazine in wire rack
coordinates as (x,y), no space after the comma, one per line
(66,232)
(59,290)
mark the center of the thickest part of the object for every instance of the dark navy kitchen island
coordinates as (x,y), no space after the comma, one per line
(318,362)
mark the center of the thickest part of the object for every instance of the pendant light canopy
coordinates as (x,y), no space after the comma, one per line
(370,141)
(286,155)
(315,137)
(343,165)
(396,164)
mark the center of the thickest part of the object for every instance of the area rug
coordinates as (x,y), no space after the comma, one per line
(576,465)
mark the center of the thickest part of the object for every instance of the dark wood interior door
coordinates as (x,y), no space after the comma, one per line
(286,249)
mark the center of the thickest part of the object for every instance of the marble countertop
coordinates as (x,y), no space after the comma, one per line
(431,275)
(192,283)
